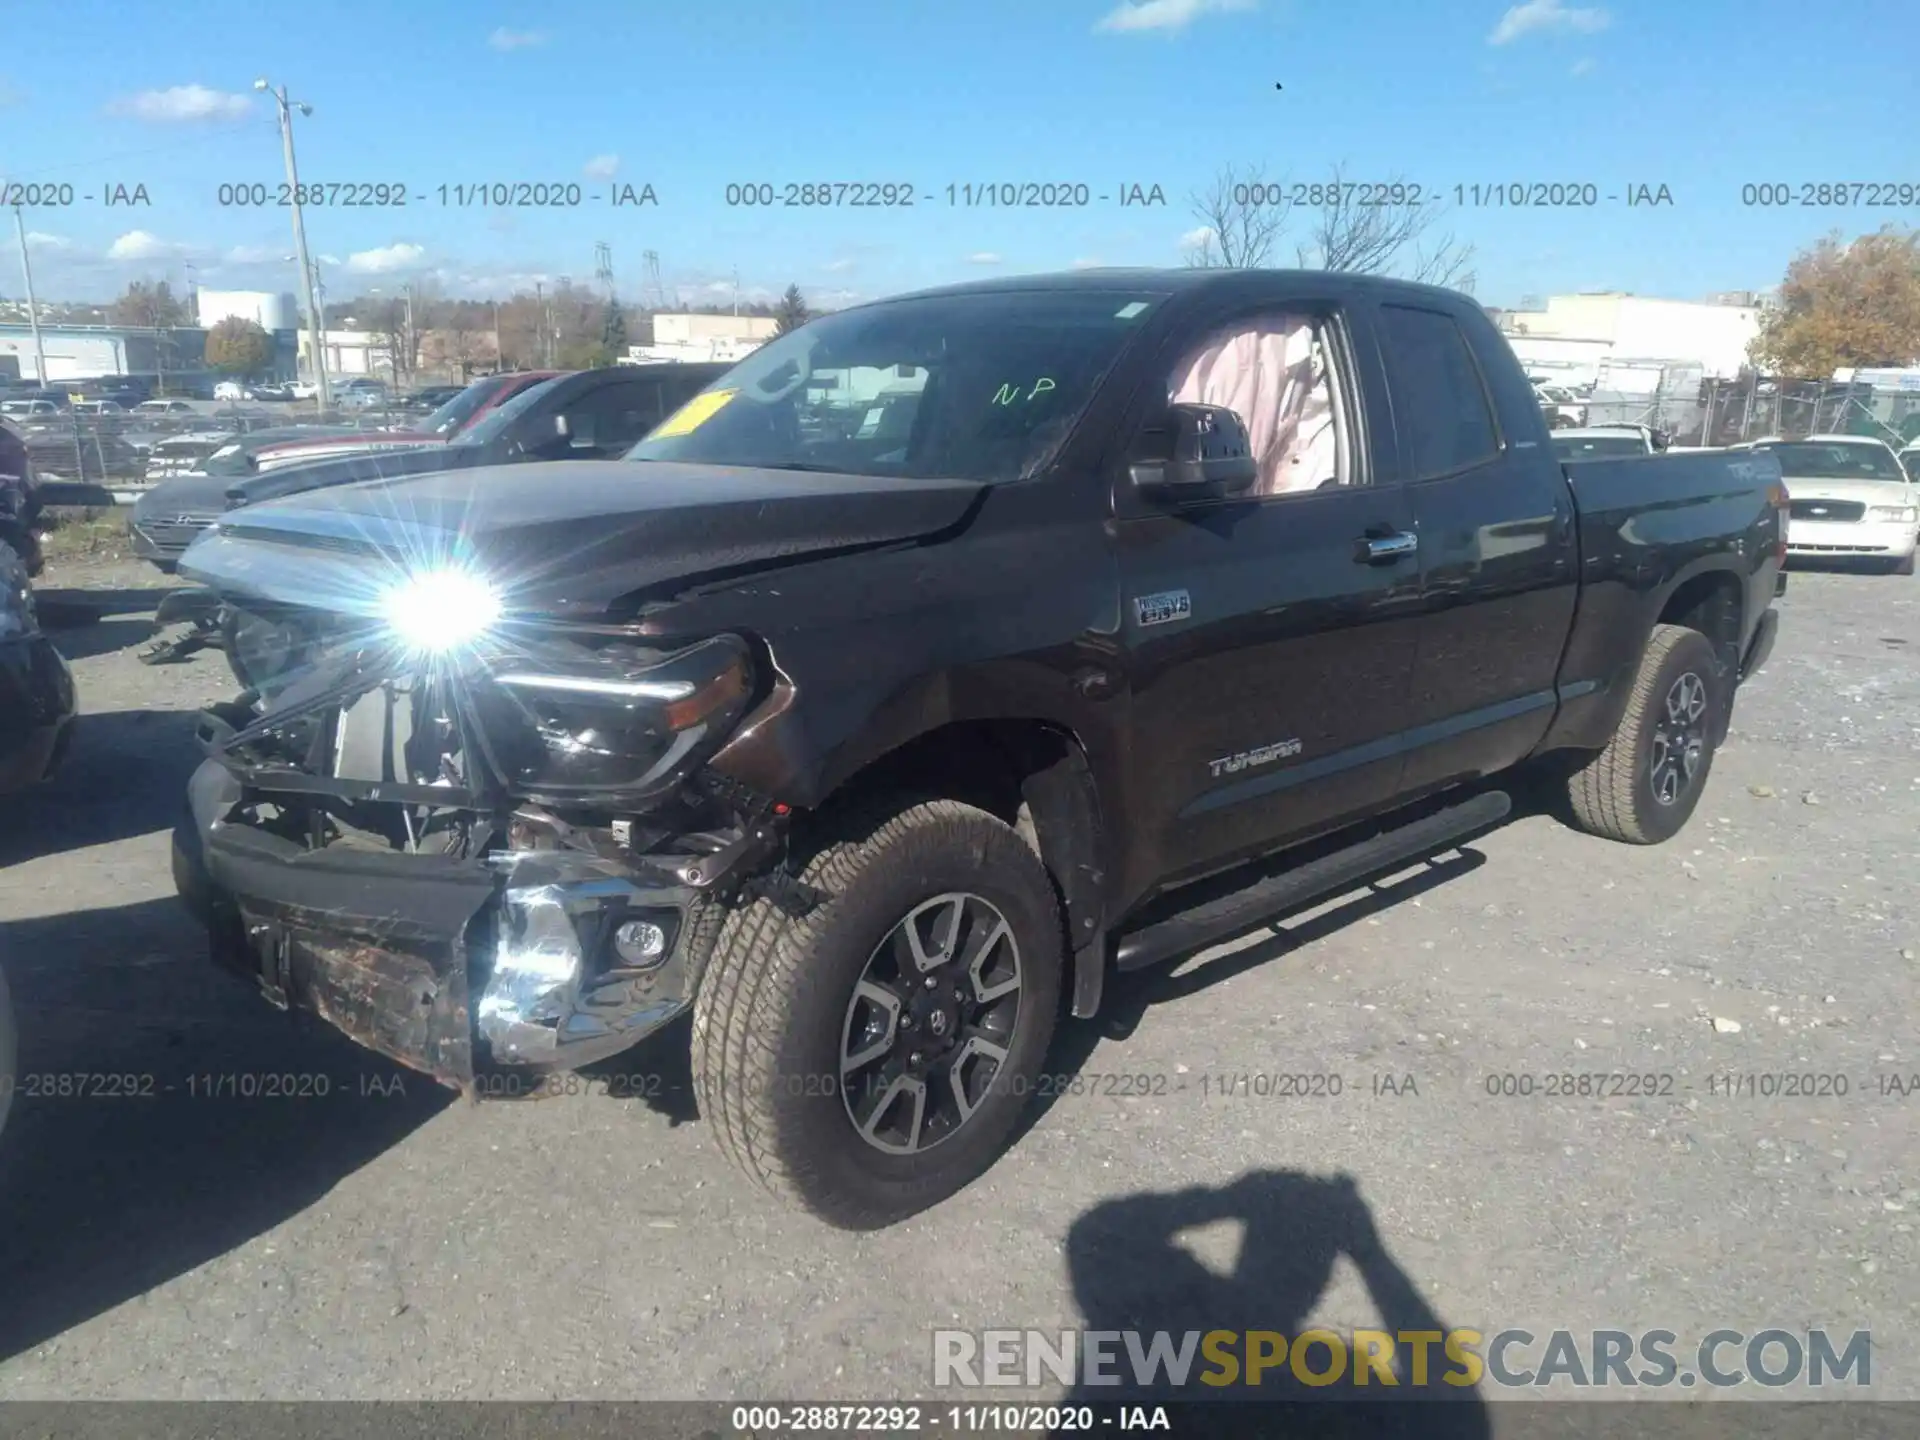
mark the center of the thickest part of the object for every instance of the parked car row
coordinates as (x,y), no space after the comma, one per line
(592,414)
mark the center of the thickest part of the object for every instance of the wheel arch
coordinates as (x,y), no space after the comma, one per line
(1034,774)
(1712,601)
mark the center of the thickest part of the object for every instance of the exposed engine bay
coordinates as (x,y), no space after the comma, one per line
(550,777)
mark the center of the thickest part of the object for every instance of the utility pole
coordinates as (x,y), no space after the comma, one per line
(33,308)
(316,321)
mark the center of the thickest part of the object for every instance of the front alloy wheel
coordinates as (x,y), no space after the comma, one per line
(929,1024)
(873,1056)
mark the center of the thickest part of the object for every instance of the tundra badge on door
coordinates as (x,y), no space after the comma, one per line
(1247,759)
(1160,609)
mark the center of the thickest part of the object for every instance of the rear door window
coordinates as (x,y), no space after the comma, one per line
(1440,402)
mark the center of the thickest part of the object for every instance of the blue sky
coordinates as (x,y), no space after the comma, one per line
(1702,96)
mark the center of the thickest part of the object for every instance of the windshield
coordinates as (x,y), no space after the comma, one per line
(497,421)
(977,387)
(1597,447)
(1811,460)
(448,419)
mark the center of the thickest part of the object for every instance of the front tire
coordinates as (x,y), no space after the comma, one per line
(1644,786)
(868,1060)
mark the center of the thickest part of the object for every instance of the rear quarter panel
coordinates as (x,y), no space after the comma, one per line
(1648,525)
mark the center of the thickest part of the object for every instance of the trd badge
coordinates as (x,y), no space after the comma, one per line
(1162,609)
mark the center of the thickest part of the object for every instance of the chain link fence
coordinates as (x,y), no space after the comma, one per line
(1727,412)
(131,451)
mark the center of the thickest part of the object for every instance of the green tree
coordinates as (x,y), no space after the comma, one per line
(1845,304)
(613,332)
(237,346)
(150,306)
(792,312)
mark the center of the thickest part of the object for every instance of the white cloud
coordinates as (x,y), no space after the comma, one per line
(840,266)
(984,257)
(1197,238)
(1092,262)
(329,259)
(505,39)
(1546,16)
(1582,67)
(1165,14)
(141,245)
(601,167)
(41,240)
(253,255)
(183,103)
(386,259)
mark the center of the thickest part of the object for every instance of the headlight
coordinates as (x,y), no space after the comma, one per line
(434,611)
(1898,514)
(593,728)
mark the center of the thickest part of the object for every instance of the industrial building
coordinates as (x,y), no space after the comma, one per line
(174,354)
(1610,339)
(80,352)
(724,338)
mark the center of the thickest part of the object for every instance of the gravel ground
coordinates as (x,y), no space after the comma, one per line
(386,1241)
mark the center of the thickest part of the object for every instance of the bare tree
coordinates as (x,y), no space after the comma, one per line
(1242,216)
(1380,228)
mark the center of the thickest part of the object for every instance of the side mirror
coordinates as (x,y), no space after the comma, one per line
(1195,452)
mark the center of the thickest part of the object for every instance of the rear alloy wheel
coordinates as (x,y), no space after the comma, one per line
(1643,787)
(869,1059)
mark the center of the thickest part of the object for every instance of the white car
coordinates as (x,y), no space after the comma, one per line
(1602,442)
(1849,500)
(1562,406)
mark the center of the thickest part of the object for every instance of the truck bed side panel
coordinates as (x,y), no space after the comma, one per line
(1649,525)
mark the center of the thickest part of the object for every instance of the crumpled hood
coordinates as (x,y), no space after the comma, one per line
(563,538)
(323,472)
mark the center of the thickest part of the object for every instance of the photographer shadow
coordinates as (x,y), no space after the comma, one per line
(1130,1272)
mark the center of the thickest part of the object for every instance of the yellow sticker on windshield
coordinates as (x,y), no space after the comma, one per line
(692,415)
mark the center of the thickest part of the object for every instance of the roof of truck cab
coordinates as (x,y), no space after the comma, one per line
(1188,282)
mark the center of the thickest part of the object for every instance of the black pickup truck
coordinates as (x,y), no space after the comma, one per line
(942,656)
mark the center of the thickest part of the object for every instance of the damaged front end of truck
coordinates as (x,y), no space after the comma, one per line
(465,836)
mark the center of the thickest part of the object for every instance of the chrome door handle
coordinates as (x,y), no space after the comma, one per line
(1376,548)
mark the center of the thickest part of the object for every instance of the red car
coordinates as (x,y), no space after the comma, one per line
(463,410)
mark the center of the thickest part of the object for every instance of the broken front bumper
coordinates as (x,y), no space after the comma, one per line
(550,959)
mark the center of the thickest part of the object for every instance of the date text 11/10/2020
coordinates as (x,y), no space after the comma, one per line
(480,194)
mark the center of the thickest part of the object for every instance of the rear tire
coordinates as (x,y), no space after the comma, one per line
(931,906)
(1644,786)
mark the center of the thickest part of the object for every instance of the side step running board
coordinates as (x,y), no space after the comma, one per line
(1243,909)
